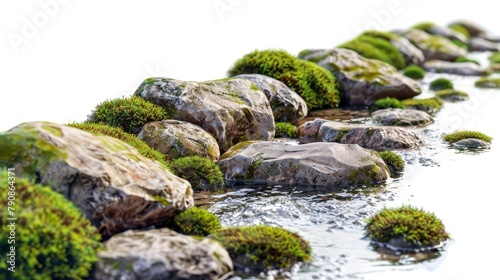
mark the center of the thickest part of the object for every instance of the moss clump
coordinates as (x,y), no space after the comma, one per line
(128,113)
(196,221)
(376,48)
(201,172)
(494,57)
(466,59)
(285,129)
(393,160)
(263,247)
(464,134)
(381,34)
(424,26)
(415,226)
(488,82)
(452,95)
(460,29)
(118,133)
(441,83)
(53,240)
(386,102)
(316,85)
(414,71)
(429,105)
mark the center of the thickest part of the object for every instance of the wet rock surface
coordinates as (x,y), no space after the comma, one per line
(456,68)
(401,117)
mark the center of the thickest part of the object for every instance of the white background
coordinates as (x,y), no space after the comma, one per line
(59,59)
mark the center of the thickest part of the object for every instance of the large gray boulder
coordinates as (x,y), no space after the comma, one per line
(179,139)
(113,185)
(364,80)
(232,110)
(434,46)
(456,68)
(314,164)
(287,105)
(401,117)
(161,254)
(370,137)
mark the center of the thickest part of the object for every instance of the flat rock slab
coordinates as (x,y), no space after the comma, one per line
(401,117)
(456,68)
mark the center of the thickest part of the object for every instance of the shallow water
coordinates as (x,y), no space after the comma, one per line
(459,186)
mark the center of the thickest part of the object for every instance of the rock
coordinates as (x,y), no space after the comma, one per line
(434,46)
(161,254)
(314,164)
(179,139)
(370,137)
(452,95)
(456,68)
(287,105)
(412,54)
(447,33)
(401,117)
(482,45)
(473,29)
(113,185)
(232,110)
(310,129)
(472,143)
(365,80)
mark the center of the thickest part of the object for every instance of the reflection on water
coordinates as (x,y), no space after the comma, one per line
(458,185)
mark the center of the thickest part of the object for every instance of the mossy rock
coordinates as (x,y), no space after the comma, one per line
(414,71)
(406,228)
(387,102)
(452,95)
(128,113)
(424,26)
(488,82)
(465,134)
(394,161)
(440,84)
(285,129)
(373,46)
(494,57)
(201,172)
(429,105)
(196,221)
(316,85)
(263,247)
(118,133)
(53,240)
(460,29)
(466,59)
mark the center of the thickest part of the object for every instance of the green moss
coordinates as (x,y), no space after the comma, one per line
(342,132)
(376,48)
(488,82)
(386,102)
(460,29)
(494,57)
(316,85)
(464,134)
(202,173)
(132,140)
(461,44)
(235,148)
(392,159)
(196,221)
(424,26)
(441,83)
(429,105)
(254,87)
(414,71)
(285,129)
(451,94)
(380,34)
(414,225)
(466,59)
(128,113)
(253,167)
(263,247)
(53,240)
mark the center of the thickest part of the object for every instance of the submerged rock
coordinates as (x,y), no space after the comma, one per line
(434,46)
(179,139)
(287,105)
(232,110)
(364,80)
(401,117)
(162,254)
(314,164)
(456,68)
(113,185)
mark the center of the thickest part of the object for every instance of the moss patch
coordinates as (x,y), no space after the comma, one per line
(440,84)
(414,71)
(452,95)
(464,134)
(429,105)
(387,102)
(392,159)
(202,173)
(196,221)
(488,82)
(285,129)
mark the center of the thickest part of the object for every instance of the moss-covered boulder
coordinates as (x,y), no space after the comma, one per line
(286,104)
(50,236)
(370,137)
(317,86)
(177,139)
(430,105)
(406,228)
(162,254)
(468,139)
(440,84)
(113,185)
(488,82)
(401,117)
(443,31)
(314,164)
(202,173)
(452,95)
(475,30)
(232,110)
(363,80)
(455,68)
(196,221)
(261,248)
(435,47)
